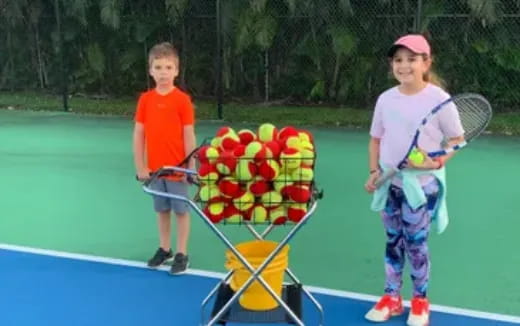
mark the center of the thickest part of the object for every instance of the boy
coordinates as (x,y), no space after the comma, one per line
(163,135)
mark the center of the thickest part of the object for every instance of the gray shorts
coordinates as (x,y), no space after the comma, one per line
(164,204)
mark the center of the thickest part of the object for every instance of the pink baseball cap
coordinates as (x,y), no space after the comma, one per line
(413,42)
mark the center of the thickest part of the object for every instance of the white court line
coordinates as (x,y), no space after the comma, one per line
(331,292)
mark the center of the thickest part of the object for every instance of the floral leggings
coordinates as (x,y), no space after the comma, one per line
(407,233)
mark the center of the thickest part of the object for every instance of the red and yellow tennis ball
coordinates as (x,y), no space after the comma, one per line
(287,132)
(229,187)
(269,169)
(307,157)
(245,170)
(216,208)
(255,151)
(271,199)
(281,182)
(296,212)
(215,142)
(290,158)
(239,151)
(207,173)
(299,193)
(245,201)
(293,142)
(232,215)
(306,144)
(306,135)
(226,138)
(208,154)
(246,136)
(226,130)
(416,157)
(303,174)
(226,163)
(229,141)
(257,214)
(267,132)
(278,215)
(209,193)
(272,149)
(258,186)
(215,212)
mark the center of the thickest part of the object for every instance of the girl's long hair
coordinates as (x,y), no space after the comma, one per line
(432,77)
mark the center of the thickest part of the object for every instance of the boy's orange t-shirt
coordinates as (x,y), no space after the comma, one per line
(164,118)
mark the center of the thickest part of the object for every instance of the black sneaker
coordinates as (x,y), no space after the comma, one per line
(180,264)
(160,257)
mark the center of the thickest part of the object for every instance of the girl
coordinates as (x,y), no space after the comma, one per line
(415,197)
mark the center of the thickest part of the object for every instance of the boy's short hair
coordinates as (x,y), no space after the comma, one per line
(163,50)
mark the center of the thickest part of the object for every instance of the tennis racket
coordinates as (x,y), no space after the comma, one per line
(475,113)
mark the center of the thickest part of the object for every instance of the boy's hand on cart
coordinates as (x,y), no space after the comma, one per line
(188,177)
(143,174)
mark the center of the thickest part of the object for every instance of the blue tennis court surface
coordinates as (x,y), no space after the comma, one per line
(48,290)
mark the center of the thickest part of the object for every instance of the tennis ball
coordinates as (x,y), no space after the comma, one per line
(416,157)
(255,151)
(269,169)
(229,141)
(287,132)
(244,201)
(296,212)
(207,173)
(284,169)
(226,163)
(271,199)
(232,214)
(293,142)
(209,193)
(307,157)
(258,186)
(214,212)
(225,131)
(239,151)
(306,144)
(303,174)
(257,214)
(246,136)
(267,132)
(229,187)
(272,149)
(305,135)
(207,154)
(290,158)
(281,182)
(215,142)
(245,170)
(278,215)
(299,193)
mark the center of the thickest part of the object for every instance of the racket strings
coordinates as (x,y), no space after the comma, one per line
(475,114)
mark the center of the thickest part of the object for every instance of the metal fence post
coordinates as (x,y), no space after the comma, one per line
(64,88)
(219,60)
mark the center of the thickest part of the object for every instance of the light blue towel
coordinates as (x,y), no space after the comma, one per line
(415,194)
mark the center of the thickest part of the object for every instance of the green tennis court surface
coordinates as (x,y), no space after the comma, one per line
(68,185)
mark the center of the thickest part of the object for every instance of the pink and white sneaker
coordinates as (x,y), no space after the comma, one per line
(388,306)
(419,312)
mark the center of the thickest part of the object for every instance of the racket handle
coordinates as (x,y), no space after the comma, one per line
(389,174)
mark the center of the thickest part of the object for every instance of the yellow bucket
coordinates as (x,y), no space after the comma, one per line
(256,297)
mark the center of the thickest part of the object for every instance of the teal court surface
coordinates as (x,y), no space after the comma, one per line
(76,229)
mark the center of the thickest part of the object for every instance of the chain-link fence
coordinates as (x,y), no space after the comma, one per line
(274,51)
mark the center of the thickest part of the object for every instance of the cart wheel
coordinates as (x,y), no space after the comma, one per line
(294,300)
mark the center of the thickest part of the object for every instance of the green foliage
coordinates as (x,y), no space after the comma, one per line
(306,51)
